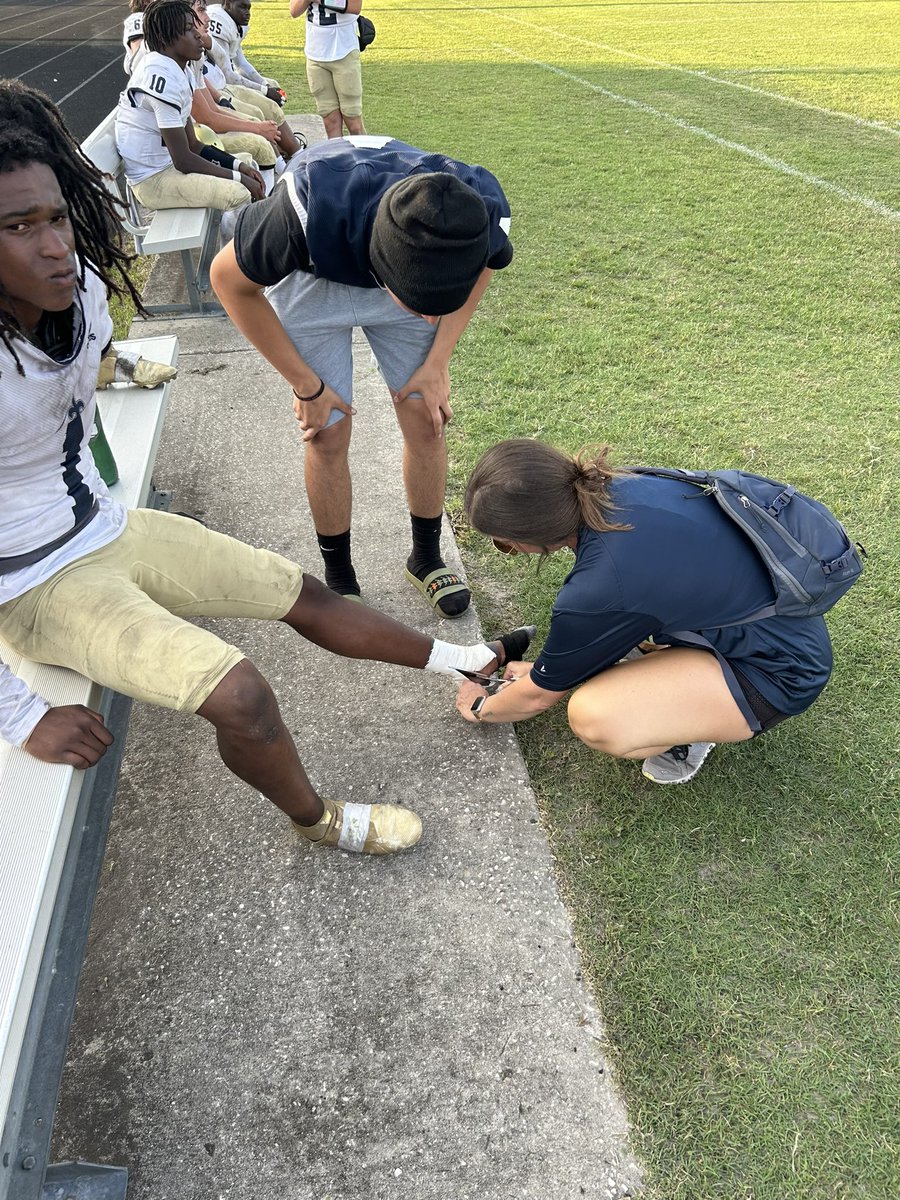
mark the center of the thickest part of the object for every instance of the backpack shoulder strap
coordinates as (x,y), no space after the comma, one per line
(701,479)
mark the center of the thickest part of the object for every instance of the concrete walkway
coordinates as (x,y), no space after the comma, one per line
(261,1021)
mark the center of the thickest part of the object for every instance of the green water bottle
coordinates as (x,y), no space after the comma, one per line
(103,456)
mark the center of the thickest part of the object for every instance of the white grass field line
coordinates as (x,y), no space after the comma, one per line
(775,164)
(90,79)
(54,33)
(863,122)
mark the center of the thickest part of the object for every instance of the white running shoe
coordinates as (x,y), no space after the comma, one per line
(677,765)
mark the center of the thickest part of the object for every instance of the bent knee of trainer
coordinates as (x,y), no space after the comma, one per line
(592,724)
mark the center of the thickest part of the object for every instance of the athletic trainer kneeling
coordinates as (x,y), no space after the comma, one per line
(653,556)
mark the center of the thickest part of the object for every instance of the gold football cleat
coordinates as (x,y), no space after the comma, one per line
(364,828)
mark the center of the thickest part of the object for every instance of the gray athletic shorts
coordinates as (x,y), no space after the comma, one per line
(320,317)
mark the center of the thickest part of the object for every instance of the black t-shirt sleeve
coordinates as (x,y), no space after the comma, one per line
(502,257)
(581,645)
(269,242)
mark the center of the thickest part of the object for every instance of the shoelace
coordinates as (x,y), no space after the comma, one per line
(680,753)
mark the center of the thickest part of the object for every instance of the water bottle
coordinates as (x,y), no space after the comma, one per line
(103,456)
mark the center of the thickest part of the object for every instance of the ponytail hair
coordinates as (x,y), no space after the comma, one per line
(526,491)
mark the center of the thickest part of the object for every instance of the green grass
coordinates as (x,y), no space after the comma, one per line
(693,305)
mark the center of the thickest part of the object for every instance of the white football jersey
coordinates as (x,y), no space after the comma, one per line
(158,97)
(48,481)
(213,73)
(329,35)
(227,36)
(134,28)
(224,30)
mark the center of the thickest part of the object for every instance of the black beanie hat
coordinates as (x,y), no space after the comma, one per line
(430,242)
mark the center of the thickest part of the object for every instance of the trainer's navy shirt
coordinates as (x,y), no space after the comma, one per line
(684,565)
(319,217)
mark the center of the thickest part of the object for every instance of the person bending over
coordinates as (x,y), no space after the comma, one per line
(333,69)
(375,233)
(87,585)
(165,164)
(650,560)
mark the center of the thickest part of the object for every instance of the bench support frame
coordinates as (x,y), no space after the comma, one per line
(84,1181)
(201,301)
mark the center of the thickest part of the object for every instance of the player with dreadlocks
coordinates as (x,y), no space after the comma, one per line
(32,131)
(86,584)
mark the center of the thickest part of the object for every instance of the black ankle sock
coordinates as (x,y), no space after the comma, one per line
(426,548)
(339,573)
(426,557)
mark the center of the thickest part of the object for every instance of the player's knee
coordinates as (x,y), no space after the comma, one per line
(245,705)
(416,424)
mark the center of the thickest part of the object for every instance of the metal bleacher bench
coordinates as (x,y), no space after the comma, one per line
(53,826)
(171,230)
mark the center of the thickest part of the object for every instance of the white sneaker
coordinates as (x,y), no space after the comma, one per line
(677,765)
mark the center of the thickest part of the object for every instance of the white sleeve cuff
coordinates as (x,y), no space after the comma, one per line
(20,708)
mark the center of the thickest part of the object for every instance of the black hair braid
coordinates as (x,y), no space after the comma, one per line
(32,131)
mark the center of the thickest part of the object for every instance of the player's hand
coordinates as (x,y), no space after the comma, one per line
(313,414)
(466,696)
(269,130)
(70,734)
(252,181)
(431,385)
(274,93)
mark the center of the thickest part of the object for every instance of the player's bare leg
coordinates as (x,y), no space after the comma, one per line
(425,479)
(334,124)
(327,474)
(255,744)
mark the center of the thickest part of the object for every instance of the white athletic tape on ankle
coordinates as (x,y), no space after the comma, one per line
(447,659)
(355,827)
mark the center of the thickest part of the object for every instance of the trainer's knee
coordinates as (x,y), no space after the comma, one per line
(243,704)
(592,723)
